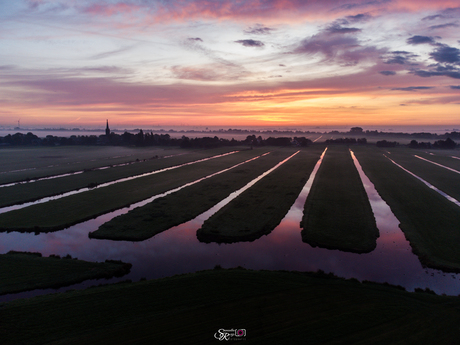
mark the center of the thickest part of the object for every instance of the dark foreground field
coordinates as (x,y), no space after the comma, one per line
(272,307)
(21,271)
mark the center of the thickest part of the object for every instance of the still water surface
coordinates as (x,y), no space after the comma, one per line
(178,251)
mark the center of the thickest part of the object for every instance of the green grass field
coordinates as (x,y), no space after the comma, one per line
(443,179)
(186,204)
(29,271)
(258,210)
(337,212)
(273,308)
(443,157)
(429,221)
(21,163)
(59,214)
(26,192)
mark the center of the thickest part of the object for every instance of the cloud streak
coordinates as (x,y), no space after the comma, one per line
(412,88)
(251,43)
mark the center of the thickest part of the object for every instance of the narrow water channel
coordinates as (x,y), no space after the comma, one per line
(448,197)
(177,250)
(442,166)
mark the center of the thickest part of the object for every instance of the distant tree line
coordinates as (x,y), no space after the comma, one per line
(447,144)
(147,139)
(277,141)
(154,139)
(347,141)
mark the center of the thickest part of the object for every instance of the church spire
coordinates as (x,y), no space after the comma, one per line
(107,129)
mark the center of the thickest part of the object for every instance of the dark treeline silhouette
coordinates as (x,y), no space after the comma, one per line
(278,141)
(419,135)
(347,141)
(447,144)
(146,139)
(20,139)
(155,139)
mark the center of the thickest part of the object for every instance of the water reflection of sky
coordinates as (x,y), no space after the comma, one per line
(178,251)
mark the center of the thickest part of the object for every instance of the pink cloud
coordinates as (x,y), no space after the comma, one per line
(268,10)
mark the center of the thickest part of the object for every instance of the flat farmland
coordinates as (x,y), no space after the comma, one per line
(98,174)
(22,163)
(336,204)
(275,306)
(258,210)
(429,221)
(429,168)
(449,158)
(59,214)
(337,212)
(163,213)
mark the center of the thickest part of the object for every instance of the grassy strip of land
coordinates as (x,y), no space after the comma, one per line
(439,156)
(337,213)
(59,214)
(272,307)
(23,163)
(443,179)
(429,221)
(186,204)
(22,271)
(26,192)
(258,210)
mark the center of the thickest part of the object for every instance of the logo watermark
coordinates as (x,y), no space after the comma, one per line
(230,334)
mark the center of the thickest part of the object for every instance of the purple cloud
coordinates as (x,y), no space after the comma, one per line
(420,40)
(258,29)
(442,26)
(399,57)
(446,54)
(329,47)
(436,16)
(427,74)
(387,73)
(412,88)
(358,18)
(251,43)
(337,29)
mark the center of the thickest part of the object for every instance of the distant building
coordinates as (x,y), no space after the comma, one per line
(107,129)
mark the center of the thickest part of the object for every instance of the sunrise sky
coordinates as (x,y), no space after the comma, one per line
(229,63)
